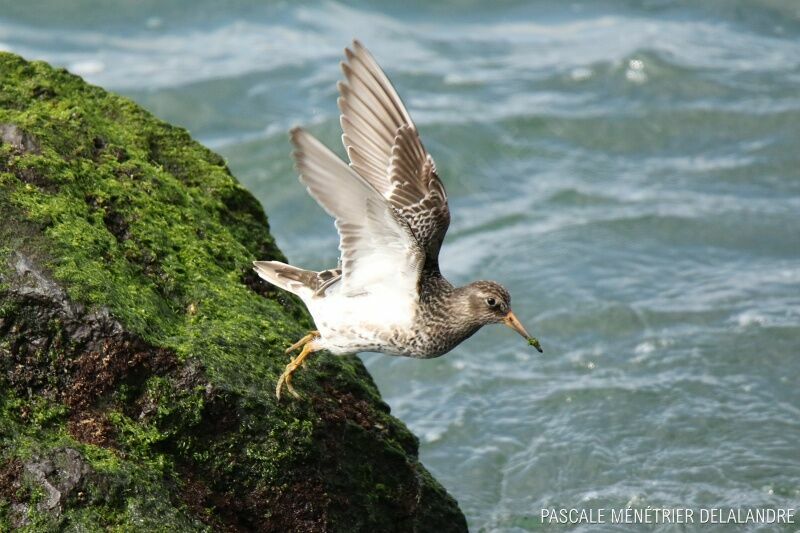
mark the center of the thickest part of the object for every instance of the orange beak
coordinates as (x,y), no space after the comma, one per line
(511,321)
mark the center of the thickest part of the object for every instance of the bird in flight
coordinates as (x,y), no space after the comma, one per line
(390,209)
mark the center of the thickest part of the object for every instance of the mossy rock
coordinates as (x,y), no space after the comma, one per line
(139,354)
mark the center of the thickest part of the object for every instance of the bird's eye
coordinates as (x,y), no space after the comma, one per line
(491,302)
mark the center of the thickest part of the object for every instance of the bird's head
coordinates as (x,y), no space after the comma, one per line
(490,303)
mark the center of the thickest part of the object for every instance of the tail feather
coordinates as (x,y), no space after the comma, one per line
(296,280)
(285,276)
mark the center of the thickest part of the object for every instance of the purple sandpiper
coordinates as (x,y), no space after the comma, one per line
(390,207)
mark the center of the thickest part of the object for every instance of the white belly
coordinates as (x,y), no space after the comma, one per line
(350,324)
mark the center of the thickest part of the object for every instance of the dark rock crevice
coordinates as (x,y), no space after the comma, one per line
(60,350)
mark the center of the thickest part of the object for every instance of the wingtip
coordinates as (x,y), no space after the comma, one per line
(295,137)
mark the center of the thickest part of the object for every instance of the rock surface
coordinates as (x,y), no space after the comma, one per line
(138,353)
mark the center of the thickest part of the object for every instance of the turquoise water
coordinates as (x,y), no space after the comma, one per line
(630,170)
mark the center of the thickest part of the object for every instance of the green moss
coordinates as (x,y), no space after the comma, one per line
(128,214)
(119,493)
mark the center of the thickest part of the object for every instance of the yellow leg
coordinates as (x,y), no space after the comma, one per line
(286,377)
(302,342)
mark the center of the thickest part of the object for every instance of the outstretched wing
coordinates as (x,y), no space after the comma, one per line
(384,147)
(377,247)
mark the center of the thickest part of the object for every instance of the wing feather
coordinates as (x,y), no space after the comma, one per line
(377,247)
(384,147)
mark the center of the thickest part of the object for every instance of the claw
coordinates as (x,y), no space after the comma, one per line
(290,388)
(286,376)
(280,385)
(286,379)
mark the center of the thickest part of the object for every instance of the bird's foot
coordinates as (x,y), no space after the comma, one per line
(302,342)
(286,377)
